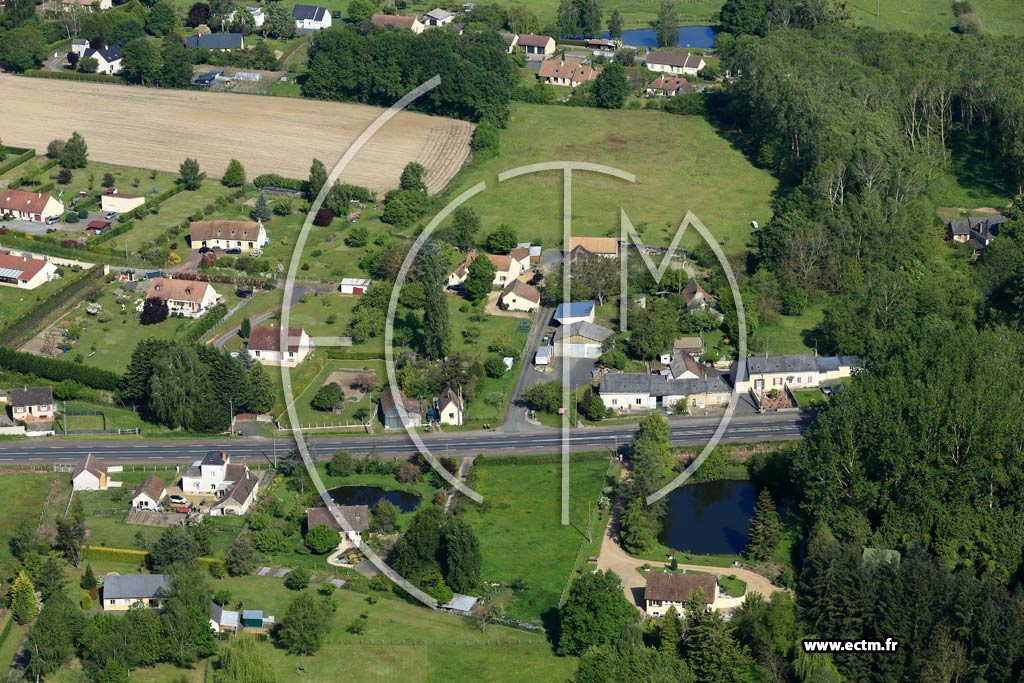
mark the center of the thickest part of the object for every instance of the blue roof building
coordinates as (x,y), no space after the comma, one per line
(577,311)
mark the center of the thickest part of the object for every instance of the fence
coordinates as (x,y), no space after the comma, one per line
(584,542)
(325,425)
(59,303)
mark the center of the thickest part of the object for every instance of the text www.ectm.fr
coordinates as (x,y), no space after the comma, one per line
(888,645)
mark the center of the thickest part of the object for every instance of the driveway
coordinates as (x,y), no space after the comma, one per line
(297,293)
(515,417)
(614,558)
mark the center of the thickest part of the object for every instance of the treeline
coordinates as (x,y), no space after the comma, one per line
(194,387)
(57,370)
(440,554)
(937,458)
(858,123)
(381,66)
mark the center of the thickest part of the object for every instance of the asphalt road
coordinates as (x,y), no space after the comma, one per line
(685,431)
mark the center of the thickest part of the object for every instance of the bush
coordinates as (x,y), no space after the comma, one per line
(322,539)
(328,397)
(342,464)
(613,359)
(71,218)
(280,182)
(495,366)
(297,579)
(323,217)
(82,213)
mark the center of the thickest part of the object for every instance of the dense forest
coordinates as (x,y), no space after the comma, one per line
(922,454)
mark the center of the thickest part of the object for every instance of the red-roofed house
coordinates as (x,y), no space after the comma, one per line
(520,296)
(186,297)
(265,345)
(241,235)
(90,474)
(399,22)
(536,48)
(569,72)
(25,272)
(667,85)
(29,206)
(677,63)
(118,202)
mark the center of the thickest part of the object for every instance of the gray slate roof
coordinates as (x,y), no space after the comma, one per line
(584,329)
(303,12)
(216,41)
(31,396)
(657,385)
(805,362)
(134,586)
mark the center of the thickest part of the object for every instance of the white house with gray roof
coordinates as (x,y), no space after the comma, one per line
(121,592)
(634,391)
(797,371)
(581,339)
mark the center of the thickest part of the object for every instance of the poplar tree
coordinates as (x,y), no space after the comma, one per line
(765,529)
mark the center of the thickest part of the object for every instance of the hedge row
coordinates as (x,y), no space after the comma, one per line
(45,244)
(30,321)
(127,556)
(255,283)
(73,76)
(57,370)
(516,460)
(336,353)
(21,155)
(275,180)
(111,233)
(7,631)
(209,321)
(151,205)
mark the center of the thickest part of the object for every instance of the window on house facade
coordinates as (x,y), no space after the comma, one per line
(639,401)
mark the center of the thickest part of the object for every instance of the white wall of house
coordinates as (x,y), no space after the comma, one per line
(144,502)
(517,303)
(86,481)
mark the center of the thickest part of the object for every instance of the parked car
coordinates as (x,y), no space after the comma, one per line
(52,219)
(177,500)
(827,390)
(111,215)
(233,250)
(182,510)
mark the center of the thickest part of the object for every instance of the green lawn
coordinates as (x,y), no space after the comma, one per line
(520,530)
(420,644)
(915,16)
(108,345)
(971,181)
(15,302)
(1000,16)
(21,499)
(172,213)
(308,415)
(681,162)
(127,179)
(116,418)
(790,333)
(106,512)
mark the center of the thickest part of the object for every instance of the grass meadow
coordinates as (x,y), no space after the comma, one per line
(681,164)
(520,530)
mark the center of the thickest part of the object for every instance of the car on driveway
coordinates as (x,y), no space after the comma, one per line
(177,500)
(234,250)
(111,215)
(52,219)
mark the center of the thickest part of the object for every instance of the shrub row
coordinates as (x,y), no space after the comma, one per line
(21,155)
(7,631)
(336,353)
(57,370)
(73,76)
(540,460)
(71,289)
(209,321)
(275,180)
(127,556)
(151,205)
(111,233)
(44,244)
(255,283)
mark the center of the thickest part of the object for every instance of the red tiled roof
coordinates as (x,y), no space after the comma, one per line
(522,290)
(19,200)
(247,231)
(531,40)
(670,82)
(672,587)
(265,338)
(153,487)
(28,266)
(177,290)
(113,192)
(358,517)
(571,69)
(90,463)
(393,20)
(680,59)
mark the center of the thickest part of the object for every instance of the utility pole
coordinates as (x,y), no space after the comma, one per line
(231,409)
(65,420)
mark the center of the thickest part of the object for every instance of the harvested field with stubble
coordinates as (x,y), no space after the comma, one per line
(157,129)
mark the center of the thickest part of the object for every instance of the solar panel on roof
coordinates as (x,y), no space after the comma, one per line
(10,272)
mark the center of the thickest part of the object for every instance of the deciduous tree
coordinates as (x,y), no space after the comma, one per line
(594,613)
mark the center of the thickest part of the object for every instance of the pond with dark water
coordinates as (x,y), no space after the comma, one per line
(369,495)
(709,518)
(696,37)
